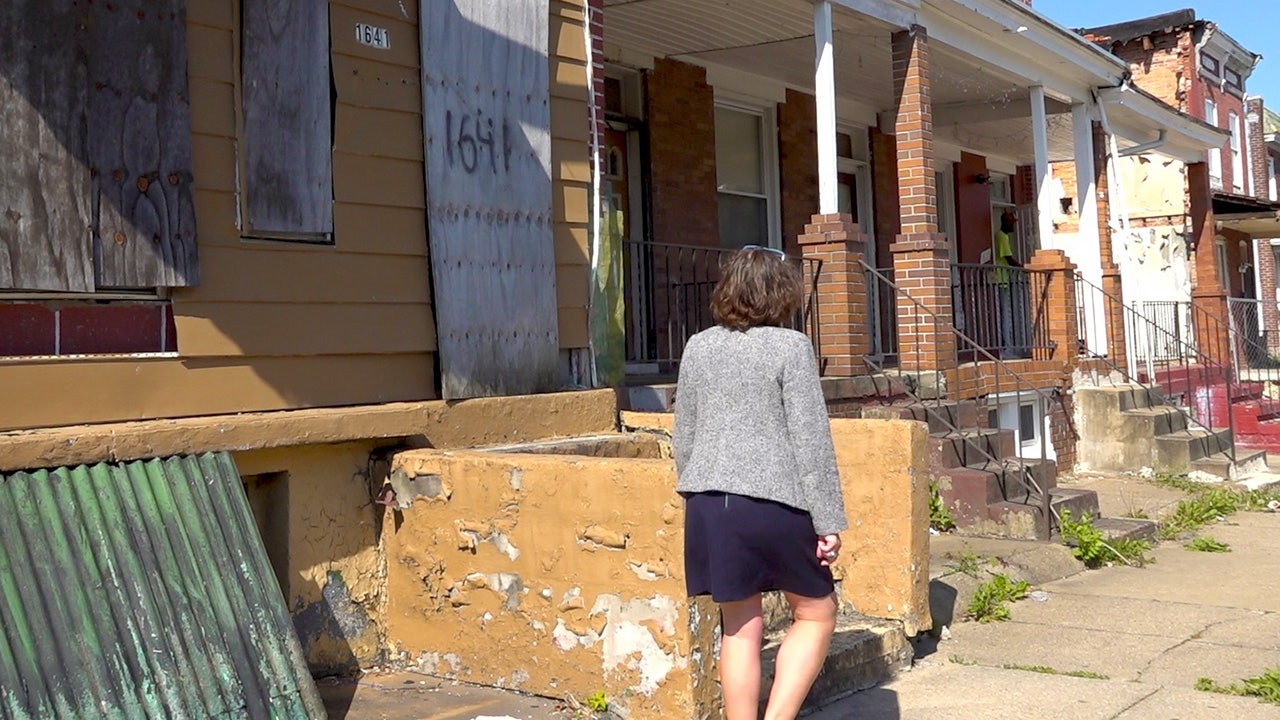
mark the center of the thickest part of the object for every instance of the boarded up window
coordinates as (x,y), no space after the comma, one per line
(287,107)
(486,120)
(95,142)
(140,145)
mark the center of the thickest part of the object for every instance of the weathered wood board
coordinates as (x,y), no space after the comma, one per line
(288,137)
(140,144)
(44,185)
(486,123)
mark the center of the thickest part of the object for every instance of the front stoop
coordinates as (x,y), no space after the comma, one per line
(1124,428)
(979,477)
(864,653)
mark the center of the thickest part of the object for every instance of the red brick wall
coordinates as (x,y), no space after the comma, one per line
(884,182)
(682,154)
(1258,157)
(1166,70)
(798,164)
(973,209)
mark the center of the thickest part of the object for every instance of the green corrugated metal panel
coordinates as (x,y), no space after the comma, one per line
(142,590)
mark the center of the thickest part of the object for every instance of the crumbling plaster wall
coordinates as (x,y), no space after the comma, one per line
(559,575)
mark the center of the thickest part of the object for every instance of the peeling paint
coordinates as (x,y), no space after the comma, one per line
(630,640)
(601,536)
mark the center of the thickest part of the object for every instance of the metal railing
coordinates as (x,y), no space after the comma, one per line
(929,387)
(882,313)
(1158,356)
(1254,359)
(1003,309)
(668,299)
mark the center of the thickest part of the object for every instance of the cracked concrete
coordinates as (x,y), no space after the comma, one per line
(1151,631)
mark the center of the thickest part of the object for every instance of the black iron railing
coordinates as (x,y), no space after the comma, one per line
(1003,309)
(668,299)
(932,387)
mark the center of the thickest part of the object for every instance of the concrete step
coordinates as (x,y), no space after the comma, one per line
(864,653)
(1176,451)
(1157,419)
(941,415)
(1123,397)
(1027,521)
(974,446)
(1126,528)
(970,490)
(1221,465)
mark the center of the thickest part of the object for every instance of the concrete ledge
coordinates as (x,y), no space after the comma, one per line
(441,424)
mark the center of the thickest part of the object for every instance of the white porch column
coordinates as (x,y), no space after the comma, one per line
(1086,188)
(824,84)
(1040,139)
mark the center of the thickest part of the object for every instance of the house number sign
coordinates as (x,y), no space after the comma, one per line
(372,36)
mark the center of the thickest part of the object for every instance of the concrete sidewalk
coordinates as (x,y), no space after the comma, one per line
(1150,633)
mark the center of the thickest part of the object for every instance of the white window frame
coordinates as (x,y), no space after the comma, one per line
(768,114)
(1237,154)
(1271,177)
(1008,412)
(1215,155)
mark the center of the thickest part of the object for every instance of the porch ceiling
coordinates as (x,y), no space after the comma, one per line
(979,108)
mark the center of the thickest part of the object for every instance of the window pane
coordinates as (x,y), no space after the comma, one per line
(847,194)
(844,145)
(738,166)
(1027,422)
(743,221)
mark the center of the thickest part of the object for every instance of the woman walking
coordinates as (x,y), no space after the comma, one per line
(763,506)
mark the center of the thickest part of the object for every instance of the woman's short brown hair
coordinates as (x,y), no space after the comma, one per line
(758,286)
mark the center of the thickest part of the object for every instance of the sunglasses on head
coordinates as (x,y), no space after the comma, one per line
(775,251)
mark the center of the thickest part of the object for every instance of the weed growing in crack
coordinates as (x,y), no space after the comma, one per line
(939,514)
(1265,687)
(1204,543)
(967,564)
(991,599)
(1091,547)
(1044,669)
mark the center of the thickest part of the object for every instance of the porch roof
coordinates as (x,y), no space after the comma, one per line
(1252,216)
(986,56)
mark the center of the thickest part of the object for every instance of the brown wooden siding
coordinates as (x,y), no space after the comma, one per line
(278,325)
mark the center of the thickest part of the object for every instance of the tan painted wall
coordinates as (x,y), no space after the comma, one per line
(563,575)
(322,538)
(314,502)
(884,472)
(551,574)
(285,325)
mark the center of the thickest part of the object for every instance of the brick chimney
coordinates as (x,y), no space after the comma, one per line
(1254,118)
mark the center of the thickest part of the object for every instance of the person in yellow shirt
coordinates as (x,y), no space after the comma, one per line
(1010,290)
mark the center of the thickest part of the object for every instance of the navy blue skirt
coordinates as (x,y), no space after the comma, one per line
(736,546)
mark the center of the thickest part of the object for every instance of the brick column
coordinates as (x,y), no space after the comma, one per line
(1208,289)
(921,255)
(1056,284)
(1111,282)
(844,324)
(1256,153)
(1267,276)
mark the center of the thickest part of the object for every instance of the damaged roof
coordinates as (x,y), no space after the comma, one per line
(1132,29)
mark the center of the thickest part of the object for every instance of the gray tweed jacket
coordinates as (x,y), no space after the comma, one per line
(751,420)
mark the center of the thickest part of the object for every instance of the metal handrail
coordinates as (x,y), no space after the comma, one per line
(1021,385)
(1207,366)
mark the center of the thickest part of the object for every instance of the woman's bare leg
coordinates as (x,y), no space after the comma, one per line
(802,653)
(743,628)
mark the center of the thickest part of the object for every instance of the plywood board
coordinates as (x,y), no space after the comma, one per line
(44,188)
(487,127)
(140,144)
(287,132)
